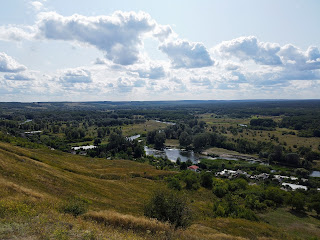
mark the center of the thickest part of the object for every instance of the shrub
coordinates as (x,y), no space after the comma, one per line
(275,194)
(297,201)
(76,206)
(206,180)
(168,206)
(174,183)
(220,188)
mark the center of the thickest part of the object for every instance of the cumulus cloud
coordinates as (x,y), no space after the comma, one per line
(19,77)
(17,33)
(162,32)
(250,48)
(185,54)
(296,58)
(119,35)
(36,5)
(8,64)
(100,61)
(126,84)
(76,76)
(153,72)
(201,81)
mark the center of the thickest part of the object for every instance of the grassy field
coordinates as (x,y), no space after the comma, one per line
(292,141)
(35,184)
(142,128)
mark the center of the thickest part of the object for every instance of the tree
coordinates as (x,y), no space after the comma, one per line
(206,180)
(174,183)
(192,181)
(297,201)
(97,141)
(183,166)
(168,206)
(277,155)
(292,159)
(159,139)
(275,194)
(185,139)
(200,141)
(220,188)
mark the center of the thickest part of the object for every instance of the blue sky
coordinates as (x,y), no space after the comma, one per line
(77,50)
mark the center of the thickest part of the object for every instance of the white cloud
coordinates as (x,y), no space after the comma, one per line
(19,77)
(76,76)
(152,72)
(8,64)
(250,48)
(36,5)
(294,57)
(125,85)
(201,81)
(162,32)
(185,54)
(17,33)
(119,36)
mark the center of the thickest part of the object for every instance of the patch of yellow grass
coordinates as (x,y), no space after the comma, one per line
(126,221)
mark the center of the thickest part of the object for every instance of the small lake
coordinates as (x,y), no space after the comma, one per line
(173,154)
(315,174)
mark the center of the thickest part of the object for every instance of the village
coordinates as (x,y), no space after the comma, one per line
(288,183)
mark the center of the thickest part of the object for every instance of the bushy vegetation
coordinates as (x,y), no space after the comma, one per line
(76,206)
(169,206)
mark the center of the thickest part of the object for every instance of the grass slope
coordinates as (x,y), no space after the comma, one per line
(36,183)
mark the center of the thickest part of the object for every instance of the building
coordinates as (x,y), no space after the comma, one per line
(193,168)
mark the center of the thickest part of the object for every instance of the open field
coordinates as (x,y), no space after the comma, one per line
(142,128)
(280,135)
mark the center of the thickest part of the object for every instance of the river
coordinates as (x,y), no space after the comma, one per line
(173,154)
(315,174)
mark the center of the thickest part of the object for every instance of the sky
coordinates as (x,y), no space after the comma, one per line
(142,50)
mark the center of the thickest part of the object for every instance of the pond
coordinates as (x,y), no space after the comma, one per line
(173,154)
(315,174)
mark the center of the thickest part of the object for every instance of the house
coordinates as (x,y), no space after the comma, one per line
(293,187)
(193,168)
(227,173)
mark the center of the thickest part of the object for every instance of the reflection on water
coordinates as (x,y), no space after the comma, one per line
(315,174)
(173,154)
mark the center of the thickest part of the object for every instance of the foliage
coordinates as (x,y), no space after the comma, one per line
(168,206)
(76,206)
(174,183)
(206,180)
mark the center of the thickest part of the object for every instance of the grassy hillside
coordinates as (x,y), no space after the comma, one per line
(36,184)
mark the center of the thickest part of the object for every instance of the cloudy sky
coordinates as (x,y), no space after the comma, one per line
(80,50)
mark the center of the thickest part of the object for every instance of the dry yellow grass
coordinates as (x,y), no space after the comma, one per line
(126,221)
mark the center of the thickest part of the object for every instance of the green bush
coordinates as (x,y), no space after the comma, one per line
(168,206)
(206,180)
(76,206)
(174,183)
